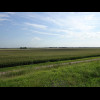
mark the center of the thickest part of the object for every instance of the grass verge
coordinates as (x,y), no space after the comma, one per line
(75,75)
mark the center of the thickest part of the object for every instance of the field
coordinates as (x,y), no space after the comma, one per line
(14,57)
(31,67)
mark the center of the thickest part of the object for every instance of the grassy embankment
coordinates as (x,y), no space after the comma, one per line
(75,75)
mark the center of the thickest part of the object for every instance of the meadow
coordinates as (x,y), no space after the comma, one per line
(31,67)
(75,75)
(14,57)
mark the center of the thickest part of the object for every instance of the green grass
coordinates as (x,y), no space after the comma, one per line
(26,67)
(19,67)
(15,57)
(75,75)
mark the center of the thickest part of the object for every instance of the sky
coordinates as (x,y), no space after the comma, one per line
(49,29)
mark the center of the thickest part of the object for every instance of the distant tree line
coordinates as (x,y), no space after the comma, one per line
(23,47)
(58,47)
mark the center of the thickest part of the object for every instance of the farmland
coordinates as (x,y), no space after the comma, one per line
(31,67)
(13,57)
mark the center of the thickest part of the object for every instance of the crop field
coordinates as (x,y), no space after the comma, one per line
(49,67)
(14,57)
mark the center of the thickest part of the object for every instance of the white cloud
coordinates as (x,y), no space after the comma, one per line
(76,25)
(3,17)
(36,39)
(28,15)
(24,28)
(56,21)
(11,13)
(76,21)
(89,17)
(46,33)
(80,24)
(37,25)
(81,35)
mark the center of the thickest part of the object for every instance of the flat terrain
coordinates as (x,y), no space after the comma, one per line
(64,67)
(86,74)
(14,57)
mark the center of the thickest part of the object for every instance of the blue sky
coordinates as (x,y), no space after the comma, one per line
(50,29)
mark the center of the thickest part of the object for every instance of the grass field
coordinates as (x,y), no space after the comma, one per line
(29,67)
(14,57)
(76,75)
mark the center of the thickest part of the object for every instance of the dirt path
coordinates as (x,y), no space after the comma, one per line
(68,63)
(52,65)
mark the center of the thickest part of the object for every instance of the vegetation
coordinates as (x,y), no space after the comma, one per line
(14,57)
(23,47)
(75,75)
(43,67)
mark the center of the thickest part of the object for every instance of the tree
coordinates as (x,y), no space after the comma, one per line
(23,47)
